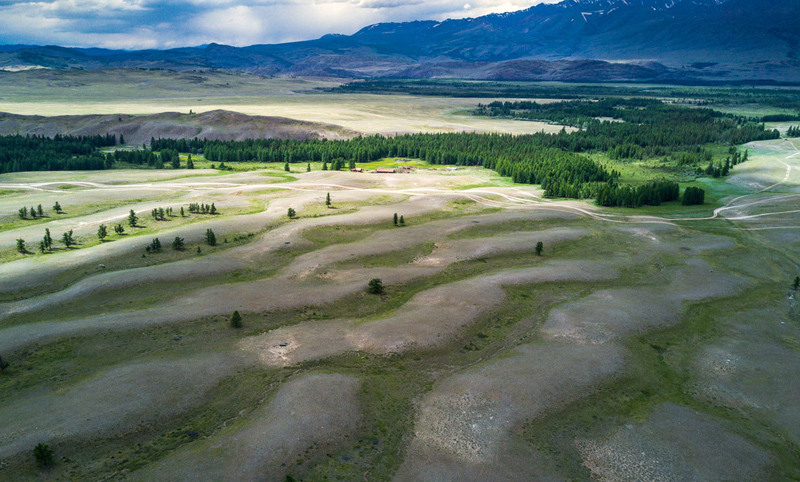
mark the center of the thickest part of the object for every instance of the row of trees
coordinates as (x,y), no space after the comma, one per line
(651,194)
(201,208)
(693,195)
(46,244)
(179,244)
(37,212)
(159,214)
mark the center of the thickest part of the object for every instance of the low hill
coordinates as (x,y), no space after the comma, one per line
(138,129)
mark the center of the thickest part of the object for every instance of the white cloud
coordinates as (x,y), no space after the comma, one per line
(171,23)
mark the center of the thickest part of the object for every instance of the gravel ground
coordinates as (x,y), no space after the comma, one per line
(314,409)
(674,444)
(610,314)
(112,403)
(466,419)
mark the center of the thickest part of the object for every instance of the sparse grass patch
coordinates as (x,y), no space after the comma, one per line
(658,370)
(389,260)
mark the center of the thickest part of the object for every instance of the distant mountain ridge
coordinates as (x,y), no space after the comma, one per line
(636,40)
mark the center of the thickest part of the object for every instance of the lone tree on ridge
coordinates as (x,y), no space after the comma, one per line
(236,320)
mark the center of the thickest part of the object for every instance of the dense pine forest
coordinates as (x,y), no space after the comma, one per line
(636,128)
(60,153)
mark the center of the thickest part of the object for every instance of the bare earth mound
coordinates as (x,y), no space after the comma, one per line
(314,409)
(138,129)
(675,443)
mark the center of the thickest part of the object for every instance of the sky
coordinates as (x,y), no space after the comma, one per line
(141,24)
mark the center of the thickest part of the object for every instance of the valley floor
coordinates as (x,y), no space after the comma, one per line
(641,345)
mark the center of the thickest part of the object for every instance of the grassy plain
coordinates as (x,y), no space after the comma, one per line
(147,92)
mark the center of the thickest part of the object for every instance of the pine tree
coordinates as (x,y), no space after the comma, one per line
(155,245)
(375,286)
(328,200)
(286,167)
(33,213)
(236,319)
(132,219)
(43,455)
(395,219)
(177,244)
(182,214)
(291,213)
(40,211)
(324,166)
(42,247)
(308,167)
(57,208)
(21,246)
(402,220)
(796,283)
(102,232)
(211,238)
(67,239)
(539,248)
(23,213)
(213,209)
(48,240)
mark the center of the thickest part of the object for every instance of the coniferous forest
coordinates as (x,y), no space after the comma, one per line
(60,153)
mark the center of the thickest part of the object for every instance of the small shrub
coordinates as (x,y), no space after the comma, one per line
(375,286)
(43,455)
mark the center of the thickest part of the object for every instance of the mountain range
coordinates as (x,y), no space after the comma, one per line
(575,40)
